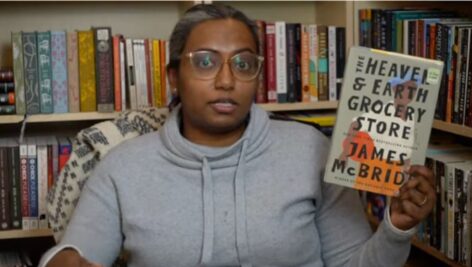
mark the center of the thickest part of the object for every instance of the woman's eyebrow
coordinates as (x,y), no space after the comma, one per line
(244,49)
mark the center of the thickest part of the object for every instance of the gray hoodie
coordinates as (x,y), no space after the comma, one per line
(258,202)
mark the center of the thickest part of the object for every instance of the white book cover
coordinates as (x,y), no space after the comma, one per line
(42,155)
(131,79)
(332,63)
(281,61)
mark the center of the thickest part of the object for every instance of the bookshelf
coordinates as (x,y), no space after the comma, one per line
(21,234)
(156,19)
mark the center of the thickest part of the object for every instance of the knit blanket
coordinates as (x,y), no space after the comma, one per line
(90,146)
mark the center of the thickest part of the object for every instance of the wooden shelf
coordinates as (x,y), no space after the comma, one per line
(11,119)
(453,128)
(435,253)
(18,234)
(62,117)
(300,106)
(90,116)
(374,222)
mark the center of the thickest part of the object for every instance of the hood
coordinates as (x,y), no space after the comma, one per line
(252,143)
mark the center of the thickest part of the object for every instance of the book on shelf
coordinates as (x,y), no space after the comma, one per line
(384,119)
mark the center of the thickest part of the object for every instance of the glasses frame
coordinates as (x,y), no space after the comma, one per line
(190,55)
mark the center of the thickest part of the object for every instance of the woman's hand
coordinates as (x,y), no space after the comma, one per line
(416,199)
(70,258)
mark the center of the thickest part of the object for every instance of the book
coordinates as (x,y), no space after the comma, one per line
(59,71)
(383,119)
(87,75)
(104,68)
(17,51)
(73,72)
(30,68)
(45,71)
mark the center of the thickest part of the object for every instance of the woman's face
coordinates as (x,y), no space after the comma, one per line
(219,104)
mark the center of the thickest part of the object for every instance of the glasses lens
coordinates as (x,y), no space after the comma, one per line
(205,63)
(245,66)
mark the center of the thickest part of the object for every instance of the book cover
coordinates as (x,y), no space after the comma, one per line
(104,68)
(281,61)
(117,71)
(24,185)
(14,161)
(59,72)
(269,63)
(17,51)
(30,63)
(156,68)
(73,72)
(45,71)
(87,87)
(261,95)
(5,189)
(383,120)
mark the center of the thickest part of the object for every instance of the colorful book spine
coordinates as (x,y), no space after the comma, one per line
(59,72)
(45,71)
(149,80)
(261,93)
(163,53)
(305,61)
(24,186)
(104,68)
(30,63)
(323,86)
(87,85)
(140,73)
(33,184)
(156,62)
(73,72)
(18,71)
(270,63)
(313,65)
(117,71)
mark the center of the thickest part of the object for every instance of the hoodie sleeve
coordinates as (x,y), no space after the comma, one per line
(95,227)
(346,238)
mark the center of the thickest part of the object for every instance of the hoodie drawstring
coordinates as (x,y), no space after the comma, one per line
(240,214)
(208,214)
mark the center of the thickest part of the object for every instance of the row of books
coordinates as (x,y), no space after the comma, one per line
(433,34)
(7,91)
(27,171)
(11,258)
(87,70)
(448,228)
(303,62)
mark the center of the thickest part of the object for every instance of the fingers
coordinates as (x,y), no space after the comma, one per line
(422,171)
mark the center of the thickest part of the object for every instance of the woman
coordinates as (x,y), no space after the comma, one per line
(222,185)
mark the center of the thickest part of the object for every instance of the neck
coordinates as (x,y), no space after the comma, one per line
(212,138)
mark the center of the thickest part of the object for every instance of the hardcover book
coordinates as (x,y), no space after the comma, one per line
(30,64)
(384,119)
(18,67)
(45,71)
(104,69)
(59,72)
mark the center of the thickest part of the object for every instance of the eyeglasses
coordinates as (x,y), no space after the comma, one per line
(245,66)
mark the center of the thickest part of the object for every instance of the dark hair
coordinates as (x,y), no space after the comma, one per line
(194,16)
